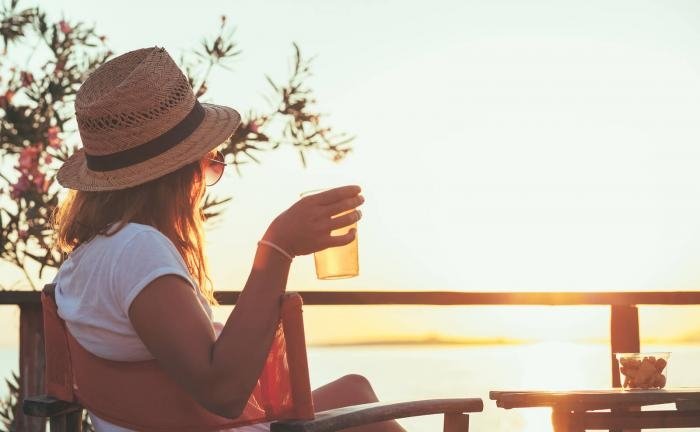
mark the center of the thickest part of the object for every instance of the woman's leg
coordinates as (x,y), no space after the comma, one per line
(351,390)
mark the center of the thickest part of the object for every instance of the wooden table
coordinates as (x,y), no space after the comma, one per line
(579,410)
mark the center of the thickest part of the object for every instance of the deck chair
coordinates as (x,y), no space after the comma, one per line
(282,394)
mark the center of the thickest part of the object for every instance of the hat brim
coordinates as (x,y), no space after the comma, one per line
(218,124)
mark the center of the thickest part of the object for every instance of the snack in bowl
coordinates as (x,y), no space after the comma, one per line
(643,370)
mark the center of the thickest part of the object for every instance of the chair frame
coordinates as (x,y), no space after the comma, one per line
(67,416)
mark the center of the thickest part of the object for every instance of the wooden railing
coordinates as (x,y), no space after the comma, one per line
(624,318)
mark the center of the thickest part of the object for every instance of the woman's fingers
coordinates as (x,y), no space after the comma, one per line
(334,241)
(342,221)
(334,195)
(313,214)
(342,206)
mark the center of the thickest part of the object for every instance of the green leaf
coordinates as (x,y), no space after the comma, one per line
(272,83)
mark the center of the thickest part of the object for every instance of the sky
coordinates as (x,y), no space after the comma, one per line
(501,145)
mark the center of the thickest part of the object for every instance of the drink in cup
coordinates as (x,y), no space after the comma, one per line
(341,261)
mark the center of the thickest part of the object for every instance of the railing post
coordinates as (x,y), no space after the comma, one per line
(624,337)
(624,334)
(31,362)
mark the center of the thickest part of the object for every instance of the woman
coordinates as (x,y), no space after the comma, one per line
(135,285)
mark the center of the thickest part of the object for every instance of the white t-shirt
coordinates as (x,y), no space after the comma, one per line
(97,283)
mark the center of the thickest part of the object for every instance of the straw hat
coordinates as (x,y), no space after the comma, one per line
(139,120)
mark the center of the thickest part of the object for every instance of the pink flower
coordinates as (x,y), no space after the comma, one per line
(6,99)
(48,159)
(65,28)
(23,234)
(60,65)
(23,183)
(52,136)
(39,180)
(27,78)
(18,189)
(29,159)
(47,184)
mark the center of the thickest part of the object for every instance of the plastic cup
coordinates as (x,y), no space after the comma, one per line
(643,370)
(338,262)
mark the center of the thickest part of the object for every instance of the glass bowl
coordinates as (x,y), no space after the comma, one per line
(643,370)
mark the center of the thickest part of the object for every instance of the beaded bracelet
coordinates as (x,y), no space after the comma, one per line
(279,249)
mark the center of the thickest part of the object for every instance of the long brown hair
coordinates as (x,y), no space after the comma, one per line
(170,204)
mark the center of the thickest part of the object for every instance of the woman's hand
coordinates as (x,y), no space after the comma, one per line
(306,226)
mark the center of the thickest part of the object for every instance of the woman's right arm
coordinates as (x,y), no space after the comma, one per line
(221,373)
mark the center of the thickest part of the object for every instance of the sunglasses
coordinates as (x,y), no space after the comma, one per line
(214,168)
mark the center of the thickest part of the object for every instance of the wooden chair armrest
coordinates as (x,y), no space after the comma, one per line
(356,415)
(47,406)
